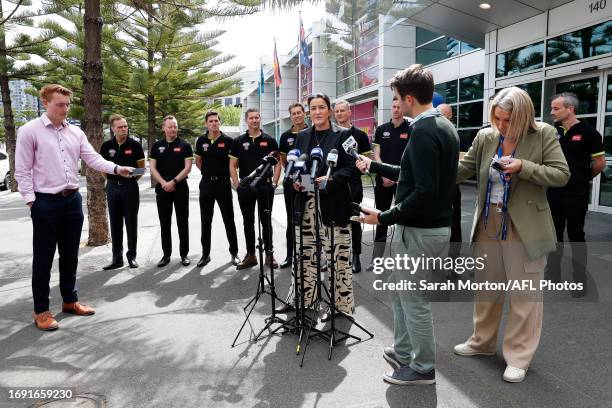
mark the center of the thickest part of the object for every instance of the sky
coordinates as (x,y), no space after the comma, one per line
(252,37)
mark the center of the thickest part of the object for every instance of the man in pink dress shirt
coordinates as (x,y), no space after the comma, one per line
(46,169)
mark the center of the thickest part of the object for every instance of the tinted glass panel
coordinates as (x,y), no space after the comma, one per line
(588,42)
(423,36)
(366,61)
(465,47)
(448,90)
(471,88)
(587,91)
(466,137)
(520,60)
(470,114)
(534,89)
(605,190)
(437,51)
(609,95)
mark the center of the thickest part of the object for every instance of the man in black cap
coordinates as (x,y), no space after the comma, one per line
(122,193)
(170,161)
(247,153)
(342,114)
(212,158)
(287,143)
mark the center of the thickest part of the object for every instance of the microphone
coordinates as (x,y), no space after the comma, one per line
(269,160)
(332,162)
(316,157)
(350,147)
(299,167)
(292,157)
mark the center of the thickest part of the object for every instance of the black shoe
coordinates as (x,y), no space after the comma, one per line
(287,262)
(356,263)
(117,263)
(234,259)
(185,261)
(163,262)
(283,308)
(133,263)
(204,260)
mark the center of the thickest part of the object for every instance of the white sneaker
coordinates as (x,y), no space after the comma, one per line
(514,375)
(464,349)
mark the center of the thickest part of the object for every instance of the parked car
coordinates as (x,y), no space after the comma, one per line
(5,175)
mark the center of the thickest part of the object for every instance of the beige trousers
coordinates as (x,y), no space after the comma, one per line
(507,261)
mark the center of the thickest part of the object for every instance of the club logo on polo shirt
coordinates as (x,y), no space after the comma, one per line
(386,134)
(290,141)
(263,143)
(162,149)
(576,138)
(221,145)
(245,146)
(177,149)
(128,151)
(403,135)
(205,147)
(112,152)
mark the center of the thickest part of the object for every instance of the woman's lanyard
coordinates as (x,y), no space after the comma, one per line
(506,181)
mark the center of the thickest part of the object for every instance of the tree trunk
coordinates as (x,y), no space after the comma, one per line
(150,97)
(92,120)
(9,121)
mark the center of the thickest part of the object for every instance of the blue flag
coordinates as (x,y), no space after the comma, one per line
(261,79)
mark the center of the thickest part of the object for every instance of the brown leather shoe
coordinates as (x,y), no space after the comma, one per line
(248,261)
(271,261)
(78,309)
(45,321)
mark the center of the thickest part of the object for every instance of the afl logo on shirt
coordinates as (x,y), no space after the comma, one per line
(245,146)
(290,141)
(386,134)
(221,145)
(205,147)
(576,138)
(263,144)
(162,149)
(128,151)
(177,149)
(404,136)
(112,152)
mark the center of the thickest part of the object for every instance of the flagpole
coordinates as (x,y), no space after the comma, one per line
(260,85)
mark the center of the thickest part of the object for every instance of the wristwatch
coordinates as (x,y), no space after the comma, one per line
(115,170)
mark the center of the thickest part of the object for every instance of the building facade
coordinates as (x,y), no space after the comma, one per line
(473,49)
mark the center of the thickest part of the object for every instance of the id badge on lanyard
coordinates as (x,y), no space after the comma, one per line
(506,181)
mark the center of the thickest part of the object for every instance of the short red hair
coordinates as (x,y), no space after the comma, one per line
(47,91)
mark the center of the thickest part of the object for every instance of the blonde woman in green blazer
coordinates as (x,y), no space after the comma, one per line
(512,225)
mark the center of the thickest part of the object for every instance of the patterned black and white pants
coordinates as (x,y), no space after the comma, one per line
(342,252)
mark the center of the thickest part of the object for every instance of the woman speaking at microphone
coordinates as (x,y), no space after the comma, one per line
(334,206)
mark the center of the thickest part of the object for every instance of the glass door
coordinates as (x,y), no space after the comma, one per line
(594,108)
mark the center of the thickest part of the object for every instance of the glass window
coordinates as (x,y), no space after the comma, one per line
(438,50)
(465,47)
(228,101)
(471,88)
(367,78)
(345,70)
(423,36)
(366,61)
(605,190)
(588,42)
(520,60)
(609,95)
(466,137)
(534,89)
(448,90)
(587,91)
(470,114)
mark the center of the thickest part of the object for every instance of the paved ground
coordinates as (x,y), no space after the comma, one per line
(161,337)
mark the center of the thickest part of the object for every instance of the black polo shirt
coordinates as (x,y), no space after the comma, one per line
(392,141)
(215,155)
(170,157)
(129,153)
(249,151)
(287,141)
(580,144)
(362,139)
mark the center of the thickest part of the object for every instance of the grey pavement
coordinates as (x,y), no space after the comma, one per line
(162,337)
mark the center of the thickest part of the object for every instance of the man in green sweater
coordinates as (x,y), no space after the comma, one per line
(422,211)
